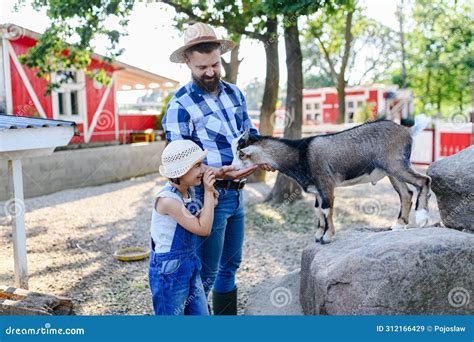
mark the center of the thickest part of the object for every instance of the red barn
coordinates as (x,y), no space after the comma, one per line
(320,106)
(103,113)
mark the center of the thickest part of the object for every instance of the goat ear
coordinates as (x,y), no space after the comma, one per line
(246,134)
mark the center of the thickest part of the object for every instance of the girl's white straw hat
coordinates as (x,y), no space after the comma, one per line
(179,157)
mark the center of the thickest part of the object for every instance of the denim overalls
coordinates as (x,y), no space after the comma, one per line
(174,273)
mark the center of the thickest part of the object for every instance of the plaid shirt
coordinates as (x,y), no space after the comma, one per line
(211,122)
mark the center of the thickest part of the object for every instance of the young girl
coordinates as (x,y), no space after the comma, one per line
(177,219)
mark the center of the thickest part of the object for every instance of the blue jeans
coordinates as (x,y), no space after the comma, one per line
(176,285)
(221,251)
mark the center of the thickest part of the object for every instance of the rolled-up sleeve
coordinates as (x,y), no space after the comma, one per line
(176,122)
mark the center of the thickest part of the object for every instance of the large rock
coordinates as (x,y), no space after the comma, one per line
(416,271)
(278,296)
(453,184)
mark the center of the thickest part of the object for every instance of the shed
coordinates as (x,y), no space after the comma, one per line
(26,137)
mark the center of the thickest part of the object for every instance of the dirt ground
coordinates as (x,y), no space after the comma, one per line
(72,235)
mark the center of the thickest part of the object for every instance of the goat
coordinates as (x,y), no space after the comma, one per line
(362,154)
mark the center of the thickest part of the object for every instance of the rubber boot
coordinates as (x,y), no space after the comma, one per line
(224,303)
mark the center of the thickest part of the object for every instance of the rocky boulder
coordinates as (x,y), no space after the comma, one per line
(420,271)
(453,184)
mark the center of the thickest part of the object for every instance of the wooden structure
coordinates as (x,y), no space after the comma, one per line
(26,137)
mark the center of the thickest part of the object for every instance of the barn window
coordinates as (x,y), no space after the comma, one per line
(69,99)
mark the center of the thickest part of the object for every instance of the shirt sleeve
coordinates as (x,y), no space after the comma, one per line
(177,122)
(247,123)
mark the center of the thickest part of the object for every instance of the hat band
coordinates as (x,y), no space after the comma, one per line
(196,40)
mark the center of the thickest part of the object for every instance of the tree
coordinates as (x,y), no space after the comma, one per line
(372,54)
(66,43)
(440,59)
(247,18)
(401,18)
(285,188)
(322,29)
(253,94)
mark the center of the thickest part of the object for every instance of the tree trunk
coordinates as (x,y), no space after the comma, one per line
(402,43)
(341,76)
(270,94)
(272,78)
(286,189)
(341,100)
(231,68)
(438,102)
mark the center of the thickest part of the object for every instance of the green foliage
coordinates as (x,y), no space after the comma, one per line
(324,38)
(321,80)
(67,42)
(253,94)
(440,57)
(364,114)
(159,118)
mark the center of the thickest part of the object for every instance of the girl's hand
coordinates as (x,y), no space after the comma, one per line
(208,180)
(216,198)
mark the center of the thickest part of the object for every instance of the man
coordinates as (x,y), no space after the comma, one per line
(212,113)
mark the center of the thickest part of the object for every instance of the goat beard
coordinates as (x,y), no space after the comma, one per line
(208,84)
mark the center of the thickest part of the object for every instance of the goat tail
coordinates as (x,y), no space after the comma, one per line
(421,122)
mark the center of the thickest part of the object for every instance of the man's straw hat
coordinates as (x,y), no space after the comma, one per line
(197,34)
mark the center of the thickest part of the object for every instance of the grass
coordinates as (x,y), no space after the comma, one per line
(298,217)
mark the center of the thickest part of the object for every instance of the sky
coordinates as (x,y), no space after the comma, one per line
(152,38)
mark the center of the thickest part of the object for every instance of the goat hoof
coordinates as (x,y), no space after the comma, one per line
(422,217)
(398,226)
(325,241)
(319,234)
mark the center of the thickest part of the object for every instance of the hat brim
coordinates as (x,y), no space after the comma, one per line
(183,170)
(178,56)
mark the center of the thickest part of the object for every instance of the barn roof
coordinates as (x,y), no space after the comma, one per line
(126,74)
(15,122)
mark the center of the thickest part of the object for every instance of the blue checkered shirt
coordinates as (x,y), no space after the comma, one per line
(211,122)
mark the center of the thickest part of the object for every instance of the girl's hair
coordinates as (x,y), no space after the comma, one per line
(174,180)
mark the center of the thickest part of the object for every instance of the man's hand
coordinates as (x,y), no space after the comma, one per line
(267,167)
(229,172)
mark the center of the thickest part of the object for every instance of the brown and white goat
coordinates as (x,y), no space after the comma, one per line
(362,154)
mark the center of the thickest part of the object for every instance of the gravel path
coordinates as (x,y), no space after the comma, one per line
(72,234)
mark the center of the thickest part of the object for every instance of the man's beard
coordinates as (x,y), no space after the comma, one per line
(208,84)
